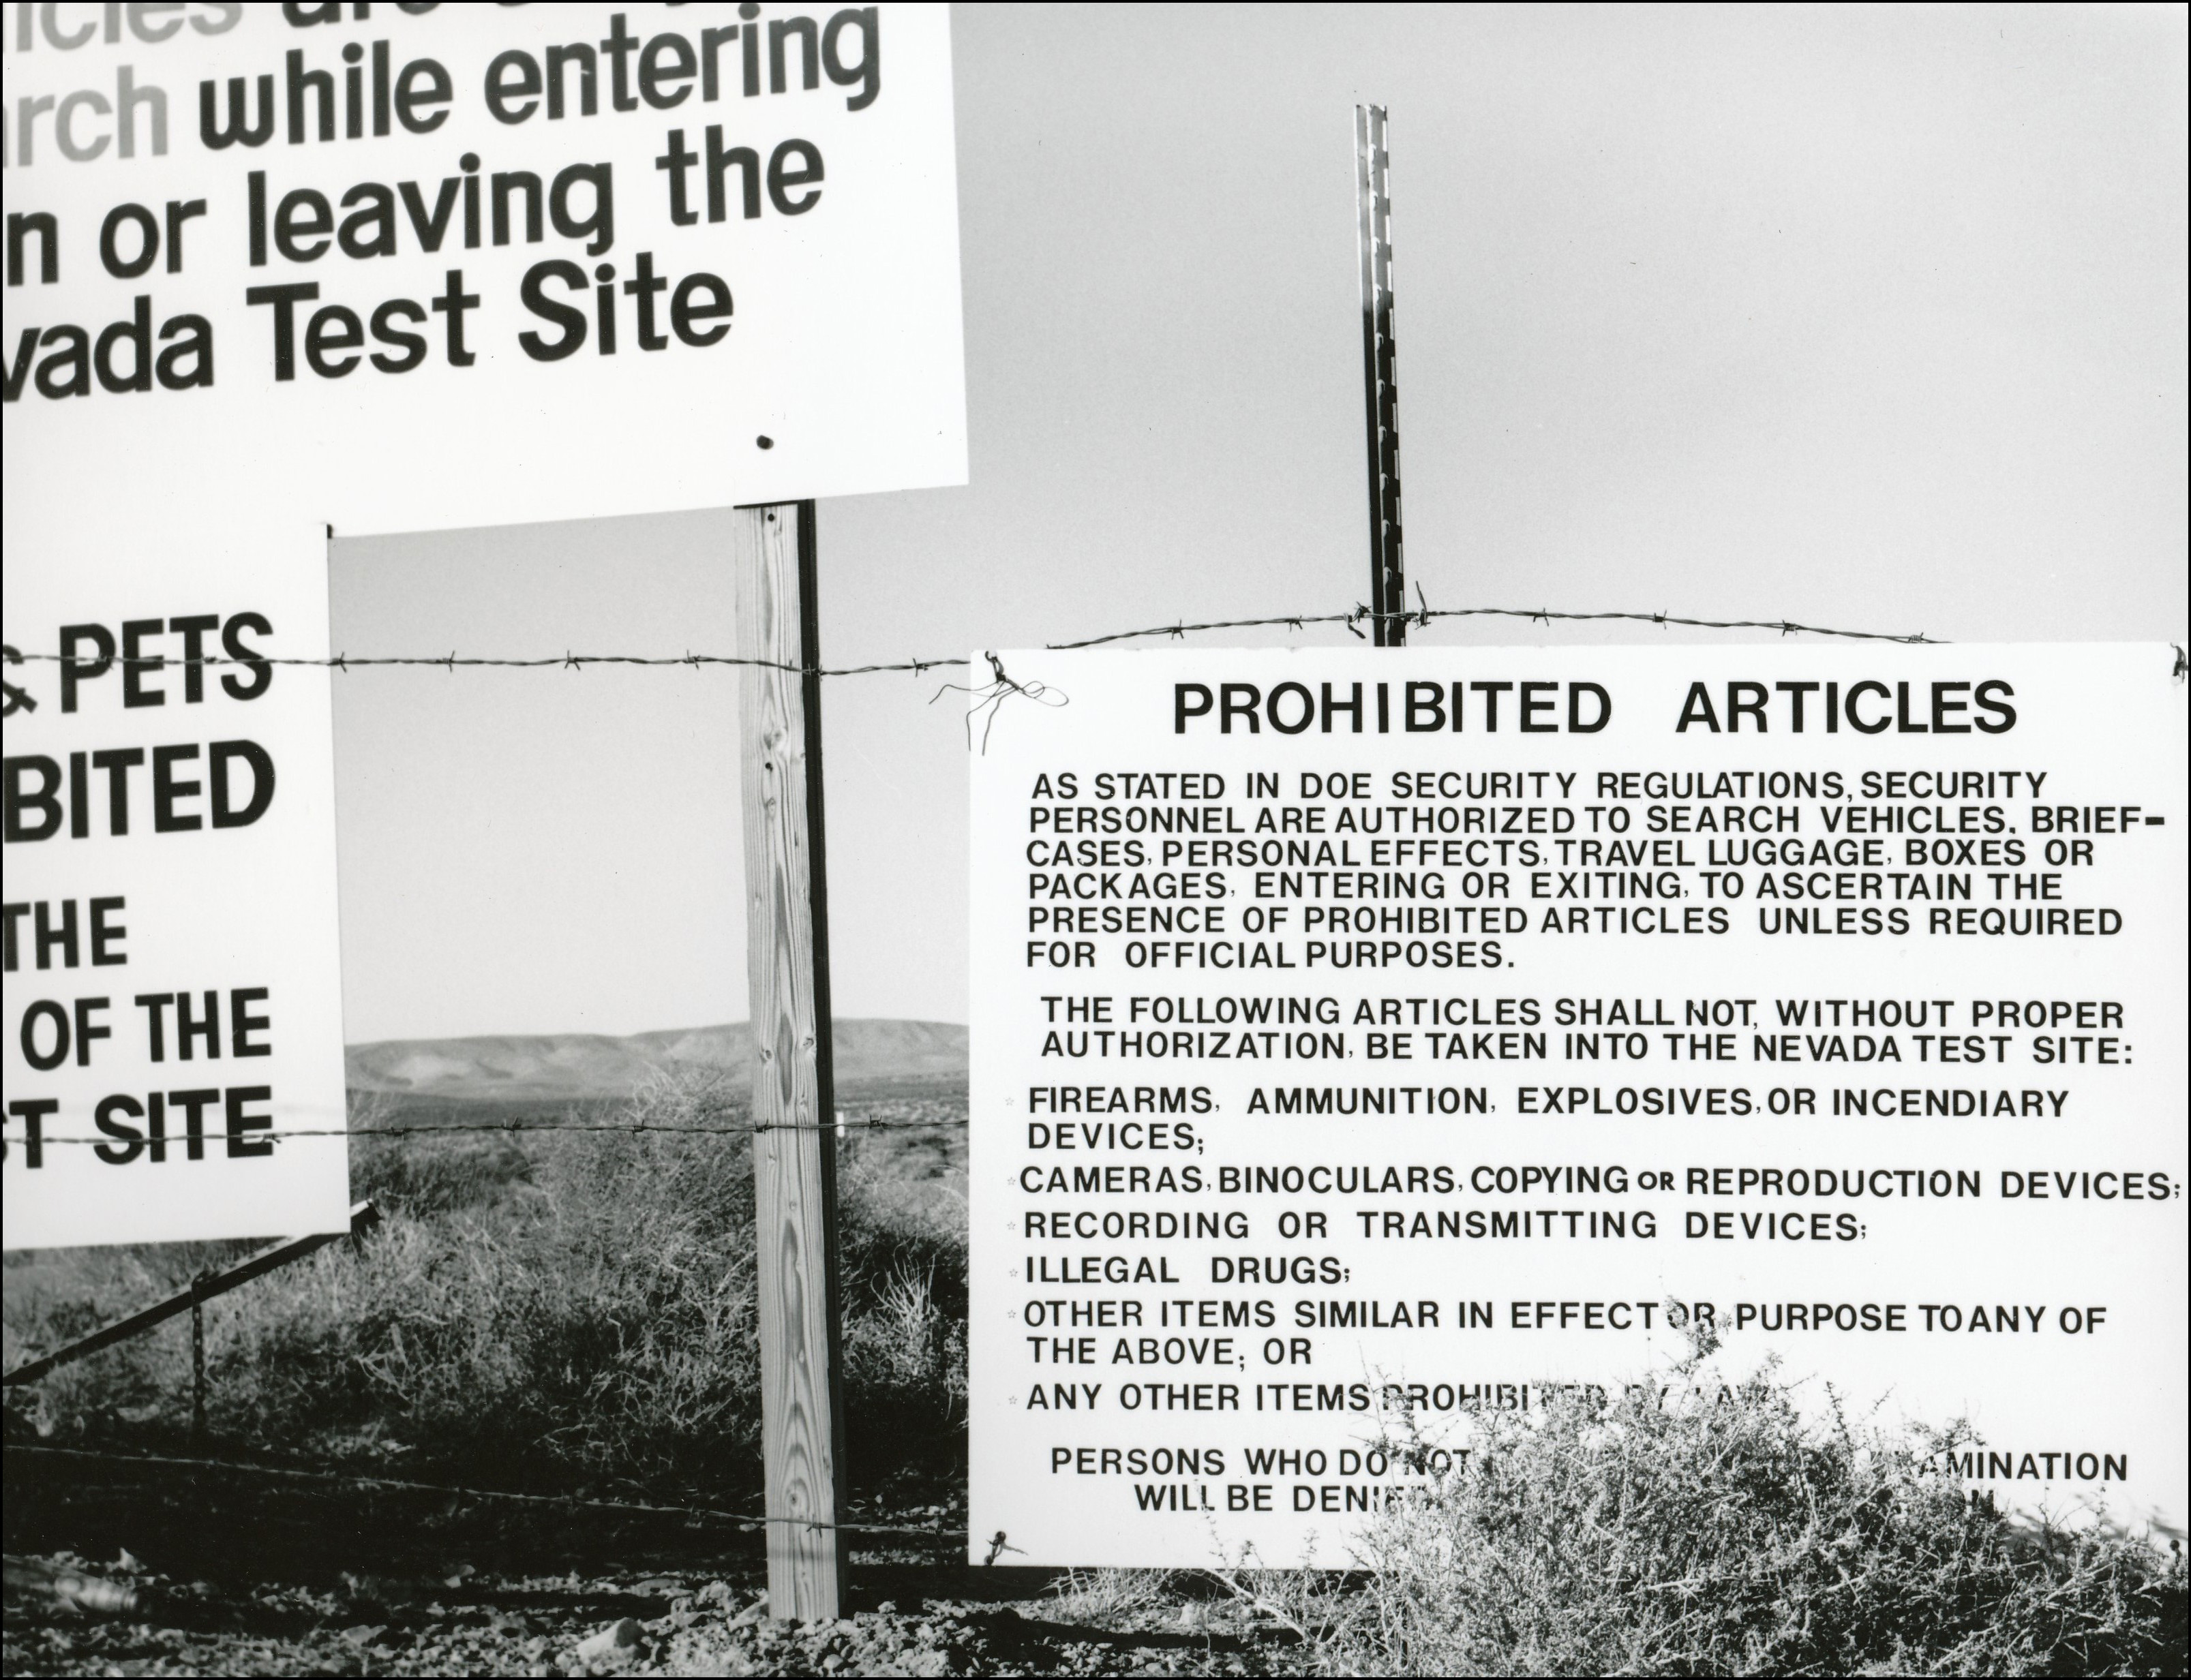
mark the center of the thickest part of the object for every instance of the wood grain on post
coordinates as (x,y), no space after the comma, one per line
(793,1090)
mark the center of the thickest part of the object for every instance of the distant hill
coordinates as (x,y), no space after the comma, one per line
(572,1067)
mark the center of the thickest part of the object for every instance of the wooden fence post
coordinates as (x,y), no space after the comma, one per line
(1388,584)
(794,1089)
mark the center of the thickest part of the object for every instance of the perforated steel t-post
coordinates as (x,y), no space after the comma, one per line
(1388,587)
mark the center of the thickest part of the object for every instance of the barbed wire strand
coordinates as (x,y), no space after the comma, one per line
(647,1129)
(454,660)
(580,1501)
(1541,615)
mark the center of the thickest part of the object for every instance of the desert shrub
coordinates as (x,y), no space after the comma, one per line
(610,1337)
(892,1227)
(1113,1598)
(902,1240)
(423,1174)
(1698,1530)
(55,1296)
(905,1384)
(550,1309)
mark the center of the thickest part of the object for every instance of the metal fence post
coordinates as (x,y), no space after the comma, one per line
(197,1363)
(1388,588)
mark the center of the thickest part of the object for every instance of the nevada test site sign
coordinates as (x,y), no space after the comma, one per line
(172,991)
(272,270)
(457,265)
(1368,1039)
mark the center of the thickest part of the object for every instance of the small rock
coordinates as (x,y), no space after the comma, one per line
(89,1592)
(620,1637)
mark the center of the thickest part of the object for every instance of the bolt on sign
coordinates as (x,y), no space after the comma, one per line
(276,271)
(1370,1042)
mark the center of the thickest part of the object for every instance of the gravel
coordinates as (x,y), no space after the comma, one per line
(467,1622)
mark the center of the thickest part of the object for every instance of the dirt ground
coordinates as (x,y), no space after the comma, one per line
(237,1578)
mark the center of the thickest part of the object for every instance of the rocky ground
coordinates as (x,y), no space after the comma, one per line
(121,1567)
(68,1615)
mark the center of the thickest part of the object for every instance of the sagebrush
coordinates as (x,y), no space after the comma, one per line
(562,1309)
(1685,1526)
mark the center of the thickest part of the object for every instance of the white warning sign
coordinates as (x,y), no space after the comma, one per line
(1381,1038)
(394,266)
(174,1059)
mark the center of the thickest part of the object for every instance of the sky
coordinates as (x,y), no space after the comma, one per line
(1867,317)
